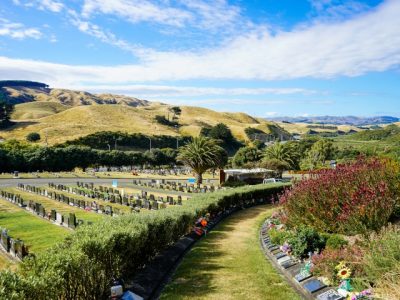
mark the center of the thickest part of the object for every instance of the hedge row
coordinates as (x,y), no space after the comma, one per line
(83,266)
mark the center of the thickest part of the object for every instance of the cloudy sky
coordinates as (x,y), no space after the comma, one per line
(264,57)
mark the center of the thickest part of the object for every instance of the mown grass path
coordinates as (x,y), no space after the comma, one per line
(229,264)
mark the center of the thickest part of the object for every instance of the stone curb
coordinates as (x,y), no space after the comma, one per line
(309,288)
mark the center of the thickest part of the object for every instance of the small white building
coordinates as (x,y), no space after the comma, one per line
(248,175)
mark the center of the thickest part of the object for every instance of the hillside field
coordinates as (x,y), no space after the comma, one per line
(60,123)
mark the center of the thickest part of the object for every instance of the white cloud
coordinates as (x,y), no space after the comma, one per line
(137,11)
(18,30)
(197,13)
(173,91)
(50,5)
(366,43)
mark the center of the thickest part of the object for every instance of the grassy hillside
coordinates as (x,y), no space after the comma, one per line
(37,110)
(61,123)
(62,115)
(23,94)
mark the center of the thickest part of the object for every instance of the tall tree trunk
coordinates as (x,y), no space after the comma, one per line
(199,179)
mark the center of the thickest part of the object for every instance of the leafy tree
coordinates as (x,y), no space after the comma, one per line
(246,155)
(176,110)
(6,110)
(164,121)
(201,155)
(205,131)
(33,137)
(222,133)
(319,153)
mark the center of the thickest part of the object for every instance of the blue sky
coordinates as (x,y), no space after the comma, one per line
(263,57)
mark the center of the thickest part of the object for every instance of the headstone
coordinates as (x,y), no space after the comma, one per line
(314,285)
(59,218)
(330,295)
(283,259)
(288,264)
(280,255)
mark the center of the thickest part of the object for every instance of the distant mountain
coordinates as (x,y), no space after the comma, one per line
(346,120)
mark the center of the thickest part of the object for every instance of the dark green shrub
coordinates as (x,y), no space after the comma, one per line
(335,241)
(305,240)
(33,137)
(279,237)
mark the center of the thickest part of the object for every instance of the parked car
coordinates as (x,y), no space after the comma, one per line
(272,180)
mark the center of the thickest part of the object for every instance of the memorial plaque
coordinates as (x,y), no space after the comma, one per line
(283,260)
(273,248)
(302,276)
(314,285)
(280,255)
(288,264)
(330,295)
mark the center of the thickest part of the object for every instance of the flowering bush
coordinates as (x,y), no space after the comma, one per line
(353,198)
(339,264)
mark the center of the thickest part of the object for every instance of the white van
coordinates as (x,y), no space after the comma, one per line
(272,180)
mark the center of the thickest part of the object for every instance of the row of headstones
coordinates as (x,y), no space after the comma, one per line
(89,191)
(103,189)
(82,204)
(36,208)
(15,247)
(117,198)
(175,186)
(300,271)
(146,203)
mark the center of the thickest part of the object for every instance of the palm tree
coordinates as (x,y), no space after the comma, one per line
(201,155)
(282,152)
(280,157)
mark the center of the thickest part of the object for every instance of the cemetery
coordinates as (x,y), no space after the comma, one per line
(118,199)
(36,201)
(37,233)
(168,185)
(131,240)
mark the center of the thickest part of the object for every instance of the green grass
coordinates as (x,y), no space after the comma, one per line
(60,207)
(229,264)
(37,233)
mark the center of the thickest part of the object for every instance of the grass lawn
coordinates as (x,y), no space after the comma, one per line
(229,264)
(37,233)
(60,207)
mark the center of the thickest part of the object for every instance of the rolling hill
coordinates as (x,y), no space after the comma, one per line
(61,115)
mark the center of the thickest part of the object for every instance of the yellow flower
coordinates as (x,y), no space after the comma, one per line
(344,273)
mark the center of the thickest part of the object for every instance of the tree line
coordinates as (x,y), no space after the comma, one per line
(23,157)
